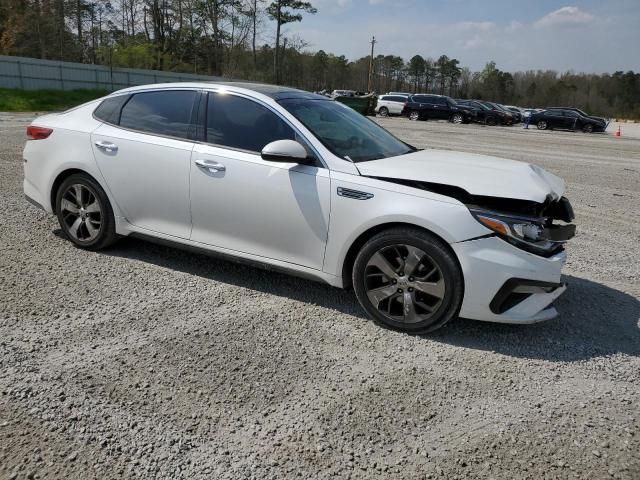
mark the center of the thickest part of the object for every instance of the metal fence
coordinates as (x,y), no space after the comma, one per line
(35,74)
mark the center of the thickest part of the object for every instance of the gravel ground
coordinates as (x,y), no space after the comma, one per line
(144,361)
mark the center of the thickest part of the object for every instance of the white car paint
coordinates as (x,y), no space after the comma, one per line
(394,107)
(288,215)
(162,165)
(477,174)
(275,210)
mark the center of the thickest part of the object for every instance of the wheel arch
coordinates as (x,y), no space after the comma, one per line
(62,176)
(357,244)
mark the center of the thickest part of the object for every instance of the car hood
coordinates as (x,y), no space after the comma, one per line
(597,119)
(480,175)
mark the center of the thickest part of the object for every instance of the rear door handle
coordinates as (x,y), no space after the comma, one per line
(213,167)
(106,146)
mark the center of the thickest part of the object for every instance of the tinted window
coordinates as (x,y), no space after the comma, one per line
(109,110)
(241,123)
(399,99)
(163,113)
(422,99)
(439,101)
(345,132)
(384,97)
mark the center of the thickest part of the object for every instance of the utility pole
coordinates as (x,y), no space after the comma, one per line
(373,42)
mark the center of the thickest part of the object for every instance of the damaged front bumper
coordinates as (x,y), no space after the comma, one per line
(506,284)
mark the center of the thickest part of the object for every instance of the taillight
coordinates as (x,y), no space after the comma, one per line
(38,133)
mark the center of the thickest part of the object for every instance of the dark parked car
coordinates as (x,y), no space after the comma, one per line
(565,119)
(505,117)
(436,107)
(484,114)
(577,110)
(517,113)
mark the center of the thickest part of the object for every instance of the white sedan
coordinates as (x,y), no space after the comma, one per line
(295,181)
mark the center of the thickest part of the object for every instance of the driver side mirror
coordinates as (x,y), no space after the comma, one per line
(285,151)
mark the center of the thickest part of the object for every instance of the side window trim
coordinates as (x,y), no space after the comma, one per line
(203,124)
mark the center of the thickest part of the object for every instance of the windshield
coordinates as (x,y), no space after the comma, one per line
(345,132)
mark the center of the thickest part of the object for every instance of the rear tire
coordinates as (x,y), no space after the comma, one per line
(419,286)
(84,213)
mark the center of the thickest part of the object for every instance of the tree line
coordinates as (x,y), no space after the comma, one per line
(245,39)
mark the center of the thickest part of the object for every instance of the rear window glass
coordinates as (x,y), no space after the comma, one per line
(109,110)
(163,113)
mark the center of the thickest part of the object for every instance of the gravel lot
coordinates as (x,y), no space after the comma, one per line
(144,361)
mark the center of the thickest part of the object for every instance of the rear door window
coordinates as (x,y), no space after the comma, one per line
(166,113)
(238,122)
(109,110)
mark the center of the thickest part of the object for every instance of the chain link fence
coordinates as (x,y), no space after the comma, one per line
(34,74)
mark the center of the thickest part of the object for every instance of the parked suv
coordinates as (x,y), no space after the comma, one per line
(294,181)
(437,107)
(390,104)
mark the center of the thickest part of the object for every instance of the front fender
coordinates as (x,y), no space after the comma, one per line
(391,203)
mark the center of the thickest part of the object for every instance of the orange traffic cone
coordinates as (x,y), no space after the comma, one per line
(618,132)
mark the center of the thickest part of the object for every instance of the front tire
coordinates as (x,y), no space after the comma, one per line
(588,128)
(457,118)
(542,125)
(383,112)
(414,115)
(407,279)
(84,213)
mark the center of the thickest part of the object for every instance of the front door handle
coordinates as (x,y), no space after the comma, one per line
(106,146)
(212,167)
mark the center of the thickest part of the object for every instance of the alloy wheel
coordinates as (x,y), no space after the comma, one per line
(81,212)
(383,112)
(457,118)
(404,283)
(542,125)
(414,116)
(587,128)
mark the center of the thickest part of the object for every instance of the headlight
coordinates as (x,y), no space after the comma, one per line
(529,233)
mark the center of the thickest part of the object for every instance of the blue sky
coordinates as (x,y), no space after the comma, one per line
(583,36)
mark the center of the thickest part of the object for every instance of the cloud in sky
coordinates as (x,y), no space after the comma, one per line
(543,34)
(565,16)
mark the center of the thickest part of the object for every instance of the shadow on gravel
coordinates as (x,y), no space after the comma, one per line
(238,274)
(595,320)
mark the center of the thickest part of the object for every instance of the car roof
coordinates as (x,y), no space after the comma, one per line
(277,92)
